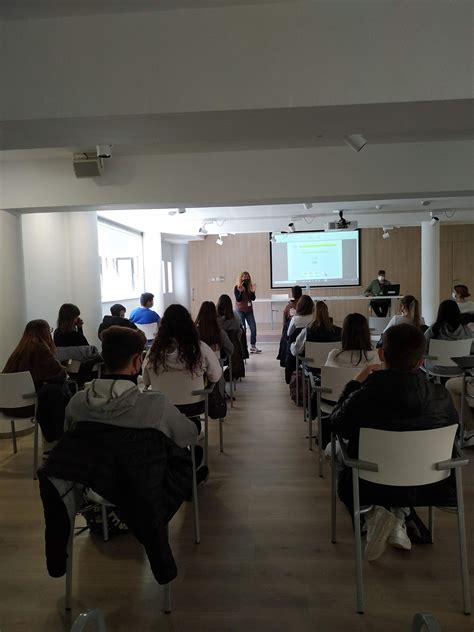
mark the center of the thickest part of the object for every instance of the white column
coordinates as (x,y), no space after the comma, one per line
(152,268)
(429,271)
(85,270)
(12,285)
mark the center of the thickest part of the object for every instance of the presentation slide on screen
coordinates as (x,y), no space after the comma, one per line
(316,259)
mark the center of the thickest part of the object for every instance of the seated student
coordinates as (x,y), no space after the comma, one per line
(209,330)
(117,318)
(144,315)
(461,296)
(321,329)
(398,398)
(178,350)
(356,345)
(448,326)
(116,399)
(226,317)
(303,315)
(71,344)
(36,353)
(454,386)
(409,313)
(290,307)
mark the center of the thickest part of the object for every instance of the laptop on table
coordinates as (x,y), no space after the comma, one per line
(391,290)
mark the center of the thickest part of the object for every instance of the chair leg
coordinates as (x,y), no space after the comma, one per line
(197,533)
(358,541)
(221,435)
(463,408)
(15,449)
(35,451)
(462,544)
(206,430)
(297,385)
(105,524)
(303,391)
(333,489)
(310,426)
(231,385)
(431,523)
(320,435)
(167,587)
(69,567)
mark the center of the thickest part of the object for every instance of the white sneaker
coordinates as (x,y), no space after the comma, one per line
(380,524)
(253,349)
(399,537)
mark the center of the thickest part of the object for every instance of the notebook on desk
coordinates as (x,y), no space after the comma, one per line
(391,290)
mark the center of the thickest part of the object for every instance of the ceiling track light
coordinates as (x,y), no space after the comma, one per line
(219,240)
(355,141)
(202,231)
(308,206)
(386,233)
(434,219)
(292,228)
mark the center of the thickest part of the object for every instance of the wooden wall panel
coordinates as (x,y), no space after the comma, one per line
(456,257)
(399,255)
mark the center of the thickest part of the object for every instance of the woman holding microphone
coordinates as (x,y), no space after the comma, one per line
(244,292)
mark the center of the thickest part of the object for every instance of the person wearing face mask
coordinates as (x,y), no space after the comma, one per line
(115,399)
(244,292)
(380,307)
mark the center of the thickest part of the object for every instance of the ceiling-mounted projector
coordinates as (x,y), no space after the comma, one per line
(87,165)
(336,226)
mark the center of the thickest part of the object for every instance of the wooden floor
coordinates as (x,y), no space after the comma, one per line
(265,561)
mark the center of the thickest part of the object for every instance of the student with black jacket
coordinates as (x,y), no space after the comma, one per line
(397,397)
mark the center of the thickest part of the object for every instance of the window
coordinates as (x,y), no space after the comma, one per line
(163,276)
(170,277)
(121,261)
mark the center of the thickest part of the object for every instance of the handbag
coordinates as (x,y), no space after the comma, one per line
(217,404)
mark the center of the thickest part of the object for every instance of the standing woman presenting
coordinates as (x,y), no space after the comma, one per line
(244,292)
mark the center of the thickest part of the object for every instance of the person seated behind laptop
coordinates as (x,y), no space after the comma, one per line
(116,399)
(117,318)
(379,306)
(144,315)
(396,398)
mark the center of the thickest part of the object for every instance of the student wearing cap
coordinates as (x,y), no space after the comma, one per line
(117,318)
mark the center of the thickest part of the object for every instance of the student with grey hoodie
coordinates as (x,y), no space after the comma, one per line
(116,399)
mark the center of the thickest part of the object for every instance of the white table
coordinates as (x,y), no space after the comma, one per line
(360,297)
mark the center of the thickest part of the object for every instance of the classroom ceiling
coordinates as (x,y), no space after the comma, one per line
(240,129)
(21,9)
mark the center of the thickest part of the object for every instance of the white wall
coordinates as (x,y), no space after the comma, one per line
(167,255)
(290,54)
(152,267)
(182,290)
(61,265)
(12,288)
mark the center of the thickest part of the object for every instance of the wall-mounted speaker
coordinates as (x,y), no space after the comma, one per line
(87,167)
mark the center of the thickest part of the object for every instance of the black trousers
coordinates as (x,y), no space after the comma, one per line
(380,307)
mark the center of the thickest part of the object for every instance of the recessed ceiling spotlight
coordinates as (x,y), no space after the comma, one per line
(181,211)
(425,203)
(379,207)
(355,141)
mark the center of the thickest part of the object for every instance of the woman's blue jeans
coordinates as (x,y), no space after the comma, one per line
(250,318)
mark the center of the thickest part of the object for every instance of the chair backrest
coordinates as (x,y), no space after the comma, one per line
(149,330)
(318,352)
(336,378)
(13,386)
(178,386)
(444,350)
(406,458)
(378,323)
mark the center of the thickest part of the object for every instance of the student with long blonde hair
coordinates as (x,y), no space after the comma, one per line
(245,294)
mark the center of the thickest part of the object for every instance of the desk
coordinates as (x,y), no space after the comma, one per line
(360,297)
(466,364)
